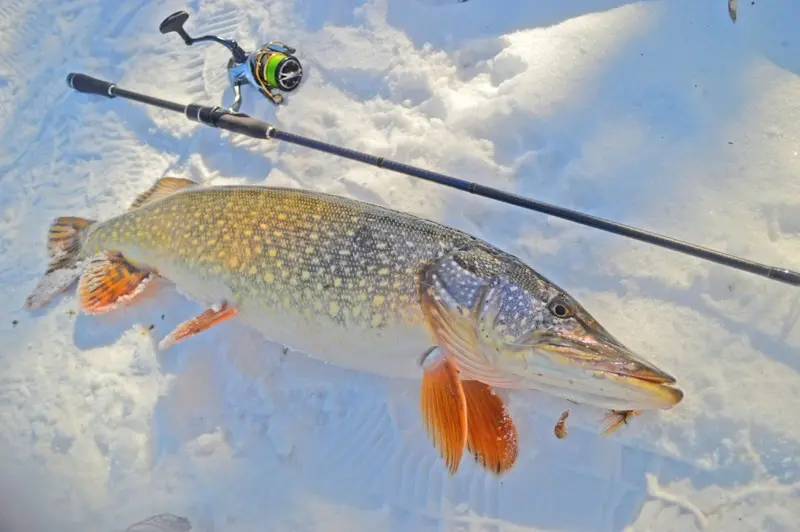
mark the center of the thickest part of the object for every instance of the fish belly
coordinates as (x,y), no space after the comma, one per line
(392,349)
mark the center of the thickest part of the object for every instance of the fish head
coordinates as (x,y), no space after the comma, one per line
(509,326)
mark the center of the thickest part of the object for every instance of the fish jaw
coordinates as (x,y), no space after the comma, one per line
(585,367)
(569,377)
(591,365)
(566,374)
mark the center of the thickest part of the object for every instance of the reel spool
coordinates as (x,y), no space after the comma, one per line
(273,69)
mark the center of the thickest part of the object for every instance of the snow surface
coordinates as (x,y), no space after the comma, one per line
(662,114)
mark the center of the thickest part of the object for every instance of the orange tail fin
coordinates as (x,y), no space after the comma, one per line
(64,245)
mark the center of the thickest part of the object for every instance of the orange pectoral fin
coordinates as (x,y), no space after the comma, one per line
(492,436)
(109,282)
(444,409)
(200,323)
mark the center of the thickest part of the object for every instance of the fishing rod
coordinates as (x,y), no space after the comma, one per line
(246,125)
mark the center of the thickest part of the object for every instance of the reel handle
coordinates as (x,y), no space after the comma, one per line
(175,22)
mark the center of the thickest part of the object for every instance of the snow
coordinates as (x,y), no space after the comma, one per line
(661,114)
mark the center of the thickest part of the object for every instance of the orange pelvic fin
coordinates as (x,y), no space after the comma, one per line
(109,282)
(492,436)
(208,318)
(444,407)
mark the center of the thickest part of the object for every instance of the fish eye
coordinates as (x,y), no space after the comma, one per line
(560,308)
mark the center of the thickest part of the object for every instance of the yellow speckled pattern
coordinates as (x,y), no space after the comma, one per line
(307,253)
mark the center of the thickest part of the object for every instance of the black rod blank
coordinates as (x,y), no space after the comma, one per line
(252,127)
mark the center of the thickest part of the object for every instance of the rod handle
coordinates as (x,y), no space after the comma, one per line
(234,122)
(244,125)
(90,85)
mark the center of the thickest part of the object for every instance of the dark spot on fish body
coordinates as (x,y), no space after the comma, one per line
(363,240)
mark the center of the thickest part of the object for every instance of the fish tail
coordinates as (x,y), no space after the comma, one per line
(107,280)
(64,241)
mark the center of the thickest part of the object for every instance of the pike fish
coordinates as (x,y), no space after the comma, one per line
(362,287)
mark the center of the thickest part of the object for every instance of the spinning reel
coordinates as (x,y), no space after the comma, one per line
(270,69)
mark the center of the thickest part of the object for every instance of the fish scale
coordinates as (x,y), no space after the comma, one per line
(306,252)
(308,268)
(365,288)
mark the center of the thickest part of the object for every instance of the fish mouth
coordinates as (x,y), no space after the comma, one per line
(608,359)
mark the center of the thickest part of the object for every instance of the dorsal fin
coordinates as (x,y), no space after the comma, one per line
(161,189)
